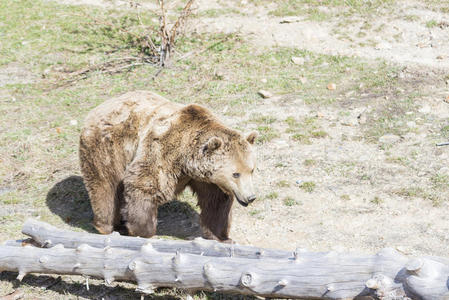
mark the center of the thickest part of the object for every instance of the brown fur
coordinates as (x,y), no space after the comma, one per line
(139,150)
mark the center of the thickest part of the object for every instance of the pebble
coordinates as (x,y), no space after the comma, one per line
(331,86)
(73,122)
(264,80)
(265,94)
(281,144)
(298,60)
(425,109)
(411,124)
(389,139)
(287,20)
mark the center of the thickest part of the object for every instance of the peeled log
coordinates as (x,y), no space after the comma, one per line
(47,236)
(332,275)
(320,276)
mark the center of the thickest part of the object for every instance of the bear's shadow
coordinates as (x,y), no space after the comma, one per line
(70,201)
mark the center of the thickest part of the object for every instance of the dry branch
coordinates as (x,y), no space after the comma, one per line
(332,275)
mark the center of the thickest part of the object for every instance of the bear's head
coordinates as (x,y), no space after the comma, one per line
(226,159)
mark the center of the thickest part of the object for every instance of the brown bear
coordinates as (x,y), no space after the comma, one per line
(139,150)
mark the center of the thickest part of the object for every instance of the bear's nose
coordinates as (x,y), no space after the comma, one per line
(251,198)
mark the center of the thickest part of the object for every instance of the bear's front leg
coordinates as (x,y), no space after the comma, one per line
(215,214)
(139,210)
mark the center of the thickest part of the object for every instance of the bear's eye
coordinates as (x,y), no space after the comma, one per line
(236,175)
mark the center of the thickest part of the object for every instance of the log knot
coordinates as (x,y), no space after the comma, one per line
(83,247)
(133,265)
(247,279)
(147,249)
(44,259)
(385,288)
(414,265)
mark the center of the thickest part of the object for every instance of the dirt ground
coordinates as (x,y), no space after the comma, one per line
(358,173)
(357,202)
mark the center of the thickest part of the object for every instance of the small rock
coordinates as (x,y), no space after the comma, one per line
(444,170)
(425,109)
(403,250)
(389,139)
(287,20)
(349,122)
(299,181)
(362,118)
(422,45)
(350,93)
(265,94)
(319,115)
(331,86)
(411,124)
(264,80)
(298,60)
(219,75)
(73,122)
(281,144)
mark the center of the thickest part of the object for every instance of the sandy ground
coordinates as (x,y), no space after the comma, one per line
(355,204)
(350,173)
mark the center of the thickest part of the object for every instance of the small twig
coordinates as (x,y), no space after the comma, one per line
(185,13)
(112,71)
(17,294)
(206,48)
(157,73)
(55,282)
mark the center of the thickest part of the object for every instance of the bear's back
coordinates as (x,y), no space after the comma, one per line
(141,105)
(123,122)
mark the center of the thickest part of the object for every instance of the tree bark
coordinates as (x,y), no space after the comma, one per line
(331,275)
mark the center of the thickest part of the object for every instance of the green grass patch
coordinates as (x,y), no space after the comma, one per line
(390,117)
(310,162)
(431,24)
(308,186)
(345,197)
(377,200)
(217,12)
(272,195)
(289,201)
(305,130)
(265,120)
(283,183)
(267,133)
(314,11)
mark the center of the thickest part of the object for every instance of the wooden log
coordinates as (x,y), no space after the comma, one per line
(387,275)
(47,236)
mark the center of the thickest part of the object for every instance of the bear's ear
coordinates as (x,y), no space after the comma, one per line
(212,144)
(251,138)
